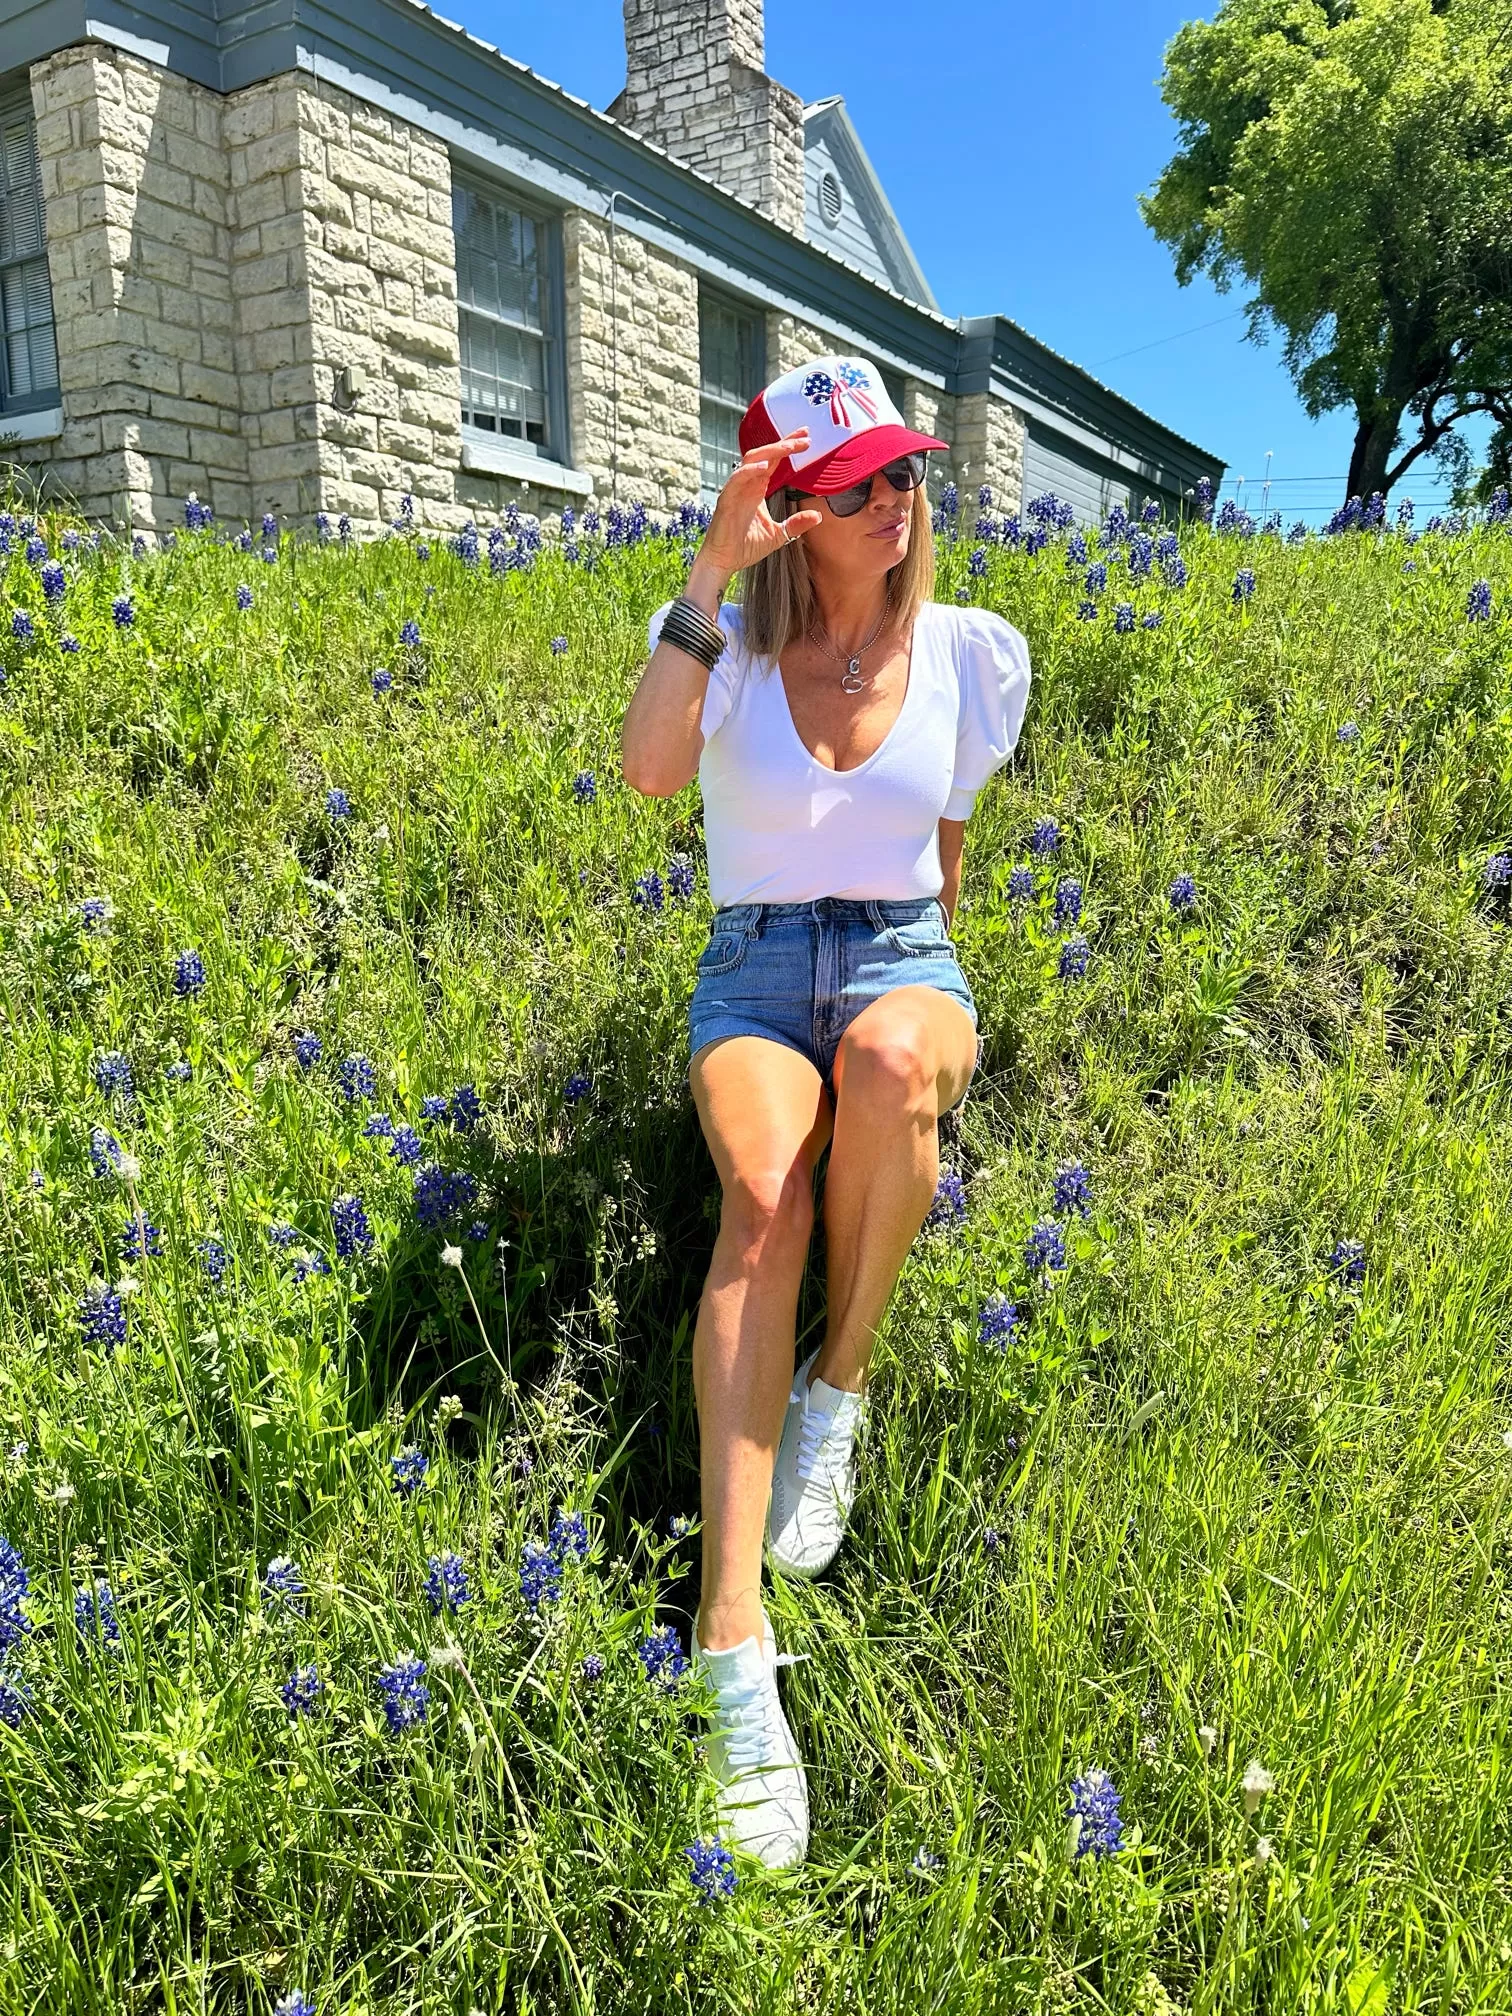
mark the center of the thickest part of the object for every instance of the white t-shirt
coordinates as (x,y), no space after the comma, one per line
(781,828)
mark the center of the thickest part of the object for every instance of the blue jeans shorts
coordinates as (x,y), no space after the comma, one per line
(800,973)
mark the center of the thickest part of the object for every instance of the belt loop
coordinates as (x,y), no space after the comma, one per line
(754,929)
(874,915)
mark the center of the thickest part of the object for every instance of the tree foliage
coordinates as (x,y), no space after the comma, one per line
(1353,164)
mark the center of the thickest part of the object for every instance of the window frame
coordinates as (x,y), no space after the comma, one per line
(557,447)
(748,311)
(16,100)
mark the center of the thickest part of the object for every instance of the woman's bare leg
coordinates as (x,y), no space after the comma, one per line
(766,1118)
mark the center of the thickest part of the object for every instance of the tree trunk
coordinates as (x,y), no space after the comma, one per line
(1374,440)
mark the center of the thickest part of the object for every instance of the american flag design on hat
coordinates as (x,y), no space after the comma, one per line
(854,427)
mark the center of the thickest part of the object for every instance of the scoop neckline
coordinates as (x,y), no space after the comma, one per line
(856,769)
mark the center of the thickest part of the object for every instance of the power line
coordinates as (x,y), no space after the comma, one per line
(1233,316)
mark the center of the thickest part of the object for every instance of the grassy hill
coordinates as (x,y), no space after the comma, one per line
(297,912)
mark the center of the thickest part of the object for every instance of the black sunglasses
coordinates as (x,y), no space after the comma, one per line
(906,473)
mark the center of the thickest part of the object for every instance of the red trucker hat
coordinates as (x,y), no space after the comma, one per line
(854,427)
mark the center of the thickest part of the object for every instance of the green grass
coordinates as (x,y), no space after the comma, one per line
(1228,1492)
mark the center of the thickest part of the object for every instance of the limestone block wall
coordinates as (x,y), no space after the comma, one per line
(135,186)
(647,312)
(989,448)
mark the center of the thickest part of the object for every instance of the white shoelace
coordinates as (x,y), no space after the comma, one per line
(749,1722)
(822,1455)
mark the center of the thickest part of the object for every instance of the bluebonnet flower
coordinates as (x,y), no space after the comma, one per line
(188,974)
(1183,892)
(986,527)
(1076,550)
(337,803)
(1244,584)
(997,1322)
(1167,546)
(244,597)
(95,1617)
(984,497)
(446,1583)
(1151,620)
(1347,1262)
(647,892)
(350,1228)
(1097,577)
(1297,536)
(123,612)
(540,1576)
(466,1109)
(68,643)
(1409,566)
(357,1077)
(1074,955)
(465,544)
(406,1146)
(950,500)
(661,1654)
(269,526)
(1068,900)
(592,1668)
(36,551)
(15,1701)
(322,527)
(422,552)
(558,646)
(569,1536)
(102,1317)
(578,1087)
(1072,1190)
(378,1127)
(311,1263)
(243,541)
(15,1587)
(680,878)
(141,1240)
(1478,605)
(1094,1807)
(1011,530)
(433,1106)
(307,1050)
(976,564)
(283,1582)
(1116,526)
(1021,883)
(1349,731)
(1123,618)
(1175,571)
(713,1871)
(139,548)
(281,1233)
(1497,872)
(949,1206)
(301,1691)
(1087,611)
(54,581)
(105,1155)
(442,1193)
(405,1697)
(214,1259)
(93,911)
(1232,520)
(1045,1248)
(1499,510)
(112,1073)
(407,1471)
(1045,838)
(409,635)
(22,627)
(381,679)
(1036,540)
(585,787)
(992,1540)
(1150,511)
(1141,555)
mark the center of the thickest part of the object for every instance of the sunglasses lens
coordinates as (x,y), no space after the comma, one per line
(846,503)
(907,473)
(904,473)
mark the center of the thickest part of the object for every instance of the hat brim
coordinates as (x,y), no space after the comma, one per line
(852,462)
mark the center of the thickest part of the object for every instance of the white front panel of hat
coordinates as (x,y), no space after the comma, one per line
(836,398)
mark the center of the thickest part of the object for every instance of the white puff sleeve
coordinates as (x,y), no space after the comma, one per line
(993,661)
(729,667)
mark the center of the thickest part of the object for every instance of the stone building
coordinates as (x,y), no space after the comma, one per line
(297,257)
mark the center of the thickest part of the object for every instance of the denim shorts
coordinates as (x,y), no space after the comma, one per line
(800,973)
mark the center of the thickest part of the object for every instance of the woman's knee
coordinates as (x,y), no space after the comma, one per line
(768,1210)
(888,1064)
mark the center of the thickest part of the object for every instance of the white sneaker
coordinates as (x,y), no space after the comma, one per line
(763,1802)
(814,1480)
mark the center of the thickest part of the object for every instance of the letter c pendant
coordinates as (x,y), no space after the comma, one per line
(851,680)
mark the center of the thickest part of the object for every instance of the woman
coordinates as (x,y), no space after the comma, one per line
(841,725)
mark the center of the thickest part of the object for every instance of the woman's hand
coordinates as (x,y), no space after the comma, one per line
(742,530)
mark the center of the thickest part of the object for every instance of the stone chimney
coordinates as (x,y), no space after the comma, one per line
(694,84)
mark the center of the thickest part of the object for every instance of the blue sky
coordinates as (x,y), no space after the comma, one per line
(1013,140)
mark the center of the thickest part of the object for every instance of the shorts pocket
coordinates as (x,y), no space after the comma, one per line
(724,953)
(921,938)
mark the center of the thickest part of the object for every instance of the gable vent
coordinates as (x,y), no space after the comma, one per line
(831,201)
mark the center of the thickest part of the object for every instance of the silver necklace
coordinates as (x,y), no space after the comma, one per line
(851,680)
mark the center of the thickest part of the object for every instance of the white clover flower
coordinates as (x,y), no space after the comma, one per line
(1257,1781)
(451,1256)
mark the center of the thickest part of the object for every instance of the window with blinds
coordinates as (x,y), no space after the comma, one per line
(731,361)
(506,297)
(28,346)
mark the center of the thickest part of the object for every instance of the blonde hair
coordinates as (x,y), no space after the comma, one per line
(777,594)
